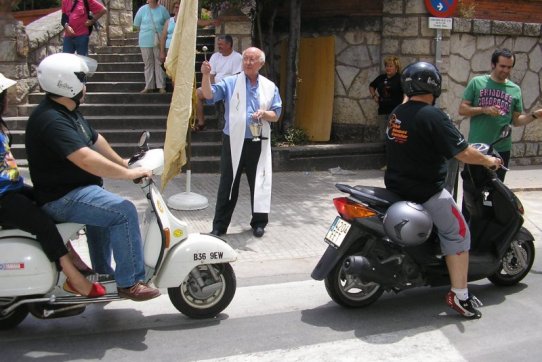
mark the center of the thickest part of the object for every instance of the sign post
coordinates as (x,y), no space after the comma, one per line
(442,9)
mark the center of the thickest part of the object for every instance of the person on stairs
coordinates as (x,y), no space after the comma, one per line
(223,63)
(76,23)
(150,20)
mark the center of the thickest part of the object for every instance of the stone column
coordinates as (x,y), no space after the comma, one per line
(120,20)
(237,25)
(13,54)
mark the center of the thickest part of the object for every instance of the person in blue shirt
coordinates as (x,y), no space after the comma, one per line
(150,20)
(249,99)
(18,210)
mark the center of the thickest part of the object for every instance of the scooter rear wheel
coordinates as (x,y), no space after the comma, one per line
(196,302)
(514,267)
(349,290)
(14,318)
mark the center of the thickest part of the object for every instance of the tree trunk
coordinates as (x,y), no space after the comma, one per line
(291,64)
(267,44)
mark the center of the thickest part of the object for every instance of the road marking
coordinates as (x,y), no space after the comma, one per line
(406,345)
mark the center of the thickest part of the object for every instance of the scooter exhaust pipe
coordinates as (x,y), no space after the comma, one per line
(369,272)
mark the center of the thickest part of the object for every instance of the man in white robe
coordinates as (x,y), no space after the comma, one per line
(248,97)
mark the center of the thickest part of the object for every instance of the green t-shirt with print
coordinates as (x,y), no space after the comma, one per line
(482,91)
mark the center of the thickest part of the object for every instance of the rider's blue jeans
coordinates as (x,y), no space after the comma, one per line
(112,225)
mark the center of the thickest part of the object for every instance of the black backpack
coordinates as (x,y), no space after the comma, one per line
(96,25)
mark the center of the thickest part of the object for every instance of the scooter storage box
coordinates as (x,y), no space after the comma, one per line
(24,267)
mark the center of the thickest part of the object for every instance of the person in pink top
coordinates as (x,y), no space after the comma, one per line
(76,23)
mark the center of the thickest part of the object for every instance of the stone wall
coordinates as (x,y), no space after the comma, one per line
(465,52)
(471,44)
(22,48)
(357,63)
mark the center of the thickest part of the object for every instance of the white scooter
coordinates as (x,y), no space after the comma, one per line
(195,268)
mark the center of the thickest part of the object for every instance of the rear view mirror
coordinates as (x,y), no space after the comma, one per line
(144,138)
(505,131)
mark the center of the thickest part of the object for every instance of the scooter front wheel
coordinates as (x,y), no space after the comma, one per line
(15,317)
(515,264)
(205,292)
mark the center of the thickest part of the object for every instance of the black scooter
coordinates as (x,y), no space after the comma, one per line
(361,261)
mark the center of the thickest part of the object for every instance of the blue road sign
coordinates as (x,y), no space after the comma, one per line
(441,8)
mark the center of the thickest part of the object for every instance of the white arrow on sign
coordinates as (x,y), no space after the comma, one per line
(440,6)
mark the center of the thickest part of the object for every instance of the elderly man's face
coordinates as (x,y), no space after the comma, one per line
(252,62)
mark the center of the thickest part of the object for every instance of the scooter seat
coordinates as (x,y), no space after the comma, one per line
(66,230)
(376,197)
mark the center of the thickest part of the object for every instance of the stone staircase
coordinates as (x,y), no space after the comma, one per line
(120,113)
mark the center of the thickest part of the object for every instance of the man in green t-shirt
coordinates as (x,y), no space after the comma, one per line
(493,101)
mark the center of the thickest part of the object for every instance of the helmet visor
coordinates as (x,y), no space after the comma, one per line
(92,64)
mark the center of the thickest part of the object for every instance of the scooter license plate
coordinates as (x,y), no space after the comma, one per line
(337,232)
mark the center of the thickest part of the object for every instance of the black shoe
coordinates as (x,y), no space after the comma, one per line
(215,232)
(258,231)
(465,307)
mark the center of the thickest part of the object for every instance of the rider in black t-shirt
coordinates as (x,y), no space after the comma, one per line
(420,141)
(53,174)
(67,160)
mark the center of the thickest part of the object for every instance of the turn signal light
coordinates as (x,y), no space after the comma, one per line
(167,236)
(349,209)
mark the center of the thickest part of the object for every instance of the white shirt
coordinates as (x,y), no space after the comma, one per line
(222,66)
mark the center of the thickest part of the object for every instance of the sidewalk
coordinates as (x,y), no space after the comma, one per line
(301,211)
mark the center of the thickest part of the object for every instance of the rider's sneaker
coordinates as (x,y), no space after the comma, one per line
(465,307)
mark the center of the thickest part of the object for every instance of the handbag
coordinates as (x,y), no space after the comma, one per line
(156,36)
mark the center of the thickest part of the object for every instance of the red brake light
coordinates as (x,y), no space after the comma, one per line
(349,209)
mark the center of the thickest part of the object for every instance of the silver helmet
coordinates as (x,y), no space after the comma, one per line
(408,223)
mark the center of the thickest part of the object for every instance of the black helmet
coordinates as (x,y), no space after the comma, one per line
(421,78)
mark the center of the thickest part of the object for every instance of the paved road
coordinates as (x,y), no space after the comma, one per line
(295,321)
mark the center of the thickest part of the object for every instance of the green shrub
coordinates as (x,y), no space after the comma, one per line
(292,137)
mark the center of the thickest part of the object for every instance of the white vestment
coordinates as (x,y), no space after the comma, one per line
(237,124)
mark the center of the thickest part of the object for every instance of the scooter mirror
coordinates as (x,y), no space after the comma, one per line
(144,138)
(505,133)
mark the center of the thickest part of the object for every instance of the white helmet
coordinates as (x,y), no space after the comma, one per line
(65,74)
(5,83)
(408,223)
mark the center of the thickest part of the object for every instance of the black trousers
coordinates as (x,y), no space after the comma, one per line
(18,210)
(501,173)
(248,163)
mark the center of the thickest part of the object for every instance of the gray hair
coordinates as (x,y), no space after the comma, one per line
(262,54)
